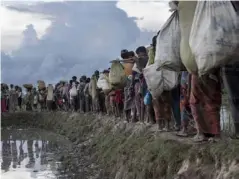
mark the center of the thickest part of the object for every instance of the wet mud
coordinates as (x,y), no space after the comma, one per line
(32,153)
(104,148)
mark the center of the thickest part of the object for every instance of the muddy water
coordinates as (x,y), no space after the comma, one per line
(32,153)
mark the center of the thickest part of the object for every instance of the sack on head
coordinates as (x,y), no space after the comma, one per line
(41,84)
(117,77)
(28,86)
(103,83)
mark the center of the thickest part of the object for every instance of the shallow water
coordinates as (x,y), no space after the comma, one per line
(32,153)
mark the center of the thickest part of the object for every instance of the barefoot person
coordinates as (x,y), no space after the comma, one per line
(205,95)
(185,106)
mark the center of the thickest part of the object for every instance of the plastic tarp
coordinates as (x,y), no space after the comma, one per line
(214,34)
(167,53)
(159,81)
(186,14)
(117,77)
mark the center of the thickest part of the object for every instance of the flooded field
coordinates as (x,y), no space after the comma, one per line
(32,153)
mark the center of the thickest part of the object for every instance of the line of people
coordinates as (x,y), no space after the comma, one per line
(194,101)
(134,102)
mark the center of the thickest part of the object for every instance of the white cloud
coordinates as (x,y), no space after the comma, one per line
(75,38)
(150,14)
(14,23)
(150,17)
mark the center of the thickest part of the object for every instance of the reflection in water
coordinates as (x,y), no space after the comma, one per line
(6,153)
(38,149)
(14,154)
(31,162)
(21,153)
(43,155)
(32,158)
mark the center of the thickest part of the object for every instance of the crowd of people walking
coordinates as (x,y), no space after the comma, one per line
(193,103)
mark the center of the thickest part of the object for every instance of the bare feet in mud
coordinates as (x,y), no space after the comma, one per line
(214,139)
(166,129)
(199,138)
(176,128)
(182,133)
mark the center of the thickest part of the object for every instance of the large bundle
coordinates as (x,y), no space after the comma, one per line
(103,83)
(186,14)
(41,85)
(59,86)
(28,86)
(214,34)
(167,53)
(117,77)
(73,91)
(159,81)
(93,87)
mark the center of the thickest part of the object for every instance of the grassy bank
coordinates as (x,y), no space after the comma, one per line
(131,151)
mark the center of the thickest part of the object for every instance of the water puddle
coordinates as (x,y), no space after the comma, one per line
(28,154)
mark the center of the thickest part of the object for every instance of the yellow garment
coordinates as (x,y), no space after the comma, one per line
(151,56)
(186,15)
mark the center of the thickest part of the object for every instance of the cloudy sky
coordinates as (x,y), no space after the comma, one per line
(54,40)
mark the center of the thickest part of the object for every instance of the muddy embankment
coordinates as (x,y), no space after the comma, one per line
(105,148)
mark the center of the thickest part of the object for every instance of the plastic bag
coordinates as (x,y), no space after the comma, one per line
(93,87)
(50,92)
(186,14)
(159,81)
(103,83)
(148,98)
(214,34)
(73,91)
(117,77)
(167,53)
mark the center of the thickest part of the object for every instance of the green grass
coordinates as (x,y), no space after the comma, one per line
(141,155)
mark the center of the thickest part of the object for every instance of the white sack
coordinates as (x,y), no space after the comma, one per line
(50,93)
(117,74)
(186,14)
(103,83)
(73,91)
(159,81)
(214,34)
(167,53)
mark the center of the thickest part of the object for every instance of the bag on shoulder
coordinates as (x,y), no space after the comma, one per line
(214,34)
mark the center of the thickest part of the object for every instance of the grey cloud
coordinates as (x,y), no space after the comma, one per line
(83,37)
